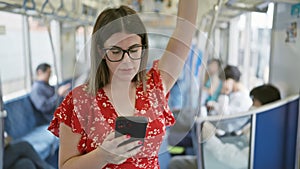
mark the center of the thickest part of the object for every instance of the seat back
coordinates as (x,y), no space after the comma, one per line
(21,118)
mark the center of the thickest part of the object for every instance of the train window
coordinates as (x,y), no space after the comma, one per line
(80,38)
(83,47)
(83,34)
(41,50)
(261,43)
(254,46)
(12,53)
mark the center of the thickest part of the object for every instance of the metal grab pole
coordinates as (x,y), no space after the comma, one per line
(297,158)
(53,52)
(200,159)
(27,52)
(2,116)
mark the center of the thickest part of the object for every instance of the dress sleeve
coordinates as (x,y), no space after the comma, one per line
(65,114)
(155,76)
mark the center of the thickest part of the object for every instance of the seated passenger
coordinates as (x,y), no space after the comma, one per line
(264,94)
(234,98)
(213,84)
(44,96)
(225,152)
(21,155)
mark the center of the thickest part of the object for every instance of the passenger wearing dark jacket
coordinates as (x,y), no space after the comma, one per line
(44,97)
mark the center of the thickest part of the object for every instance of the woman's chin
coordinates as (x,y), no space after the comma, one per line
(125,77)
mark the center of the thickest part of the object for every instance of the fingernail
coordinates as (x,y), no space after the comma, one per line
(128,136)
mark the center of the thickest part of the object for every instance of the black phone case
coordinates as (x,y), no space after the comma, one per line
(135,126)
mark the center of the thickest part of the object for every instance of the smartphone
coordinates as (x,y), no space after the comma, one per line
(135,126)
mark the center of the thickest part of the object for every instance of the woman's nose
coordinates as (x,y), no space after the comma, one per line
(126,57)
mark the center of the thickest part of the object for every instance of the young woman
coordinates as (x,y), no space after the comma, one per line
(213,84)
(120,86)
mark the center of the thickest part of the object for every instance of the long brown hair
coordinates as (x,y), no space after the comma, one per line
(110,21)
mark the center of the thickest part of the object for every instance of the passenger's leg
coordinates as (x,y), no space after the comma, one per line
(183,162)
(22,163)
(10,156)
(24,150)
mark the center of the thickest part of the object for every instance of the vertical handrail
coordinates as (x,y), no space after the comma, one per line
(199,152)
(27,52)
(1,95)
(53,53)
(205,52)
(2,116)
(252,142)
(217,9)
(247,51)
(297,158)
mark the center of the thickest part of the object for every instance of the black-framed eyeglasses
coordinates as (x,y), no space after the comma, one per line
(116,54)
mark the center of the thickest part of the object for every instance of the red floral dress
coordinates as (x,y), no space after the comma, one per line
(94,118)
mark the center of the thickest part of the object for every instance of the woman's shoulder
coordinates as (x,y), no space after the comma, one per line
(83,88)
(79,91)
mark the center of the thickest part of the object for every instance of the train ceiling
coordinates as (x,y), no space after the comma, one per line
(84,11)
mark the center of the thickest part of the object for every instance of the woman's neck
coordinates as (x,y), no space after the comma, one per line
(120,86)
(215,77)
(122,96)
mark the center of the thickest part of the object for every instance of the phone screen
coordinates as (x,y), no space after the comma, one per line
(135,126)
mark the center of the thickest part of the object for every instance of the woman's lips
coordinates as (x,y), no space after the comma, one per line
(127,69)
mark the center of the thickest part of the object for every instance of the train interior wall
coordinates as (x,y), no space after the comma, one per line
(285,49)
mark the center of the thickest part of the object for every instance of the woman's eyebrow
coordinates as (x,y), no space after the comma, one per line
(115,47)
(118,47)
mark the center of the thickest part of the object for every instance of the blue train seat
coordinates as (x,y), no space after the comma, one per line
(25,123)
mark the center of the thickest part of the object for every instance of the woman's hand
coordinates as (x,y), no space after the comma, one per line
(116,154)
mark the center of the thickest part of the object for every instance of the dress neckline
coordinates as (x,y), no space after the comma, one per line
(135,112)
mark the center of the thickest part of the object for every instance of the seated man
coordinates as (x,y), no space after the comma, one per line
(43,96)
(234,98)
(261,95)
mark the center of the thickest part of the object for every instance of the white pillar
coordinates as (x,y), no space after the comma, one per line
(233,42)
(247,52)
(217,37)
